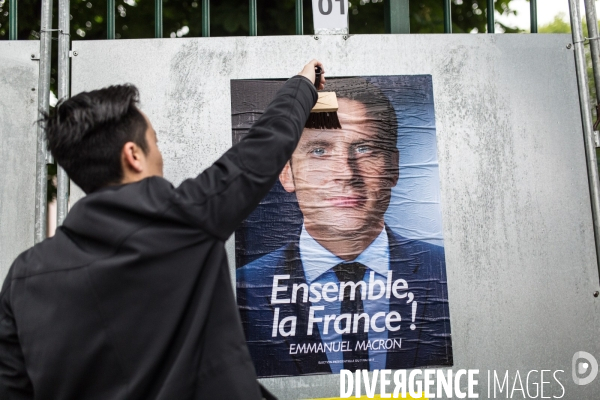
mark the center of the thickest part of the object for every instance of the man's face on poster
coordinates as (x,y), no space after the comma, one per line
(343,177)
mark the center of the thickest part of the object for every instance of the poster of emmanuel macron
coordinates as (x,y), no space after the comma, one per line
(342,265)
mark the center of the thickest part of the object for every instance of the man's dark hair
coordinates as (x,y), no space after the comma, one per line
(380,110)
(87,132)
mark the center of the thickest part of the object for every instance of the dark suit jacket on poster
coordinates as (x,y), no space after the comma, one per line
(421,264)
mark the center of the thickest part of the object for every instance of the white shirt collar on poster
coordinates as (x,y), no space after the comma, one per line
(316,260)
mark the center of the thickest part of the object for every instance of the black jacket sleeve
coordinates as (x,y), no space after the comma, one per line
(14,381)
(222,196)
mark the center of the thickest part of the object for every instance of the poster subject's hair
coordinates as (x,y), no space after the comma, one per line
(87,132)
(379,109)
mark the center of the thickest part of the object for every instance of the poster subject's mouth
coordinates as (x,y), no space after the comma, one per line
(346,201)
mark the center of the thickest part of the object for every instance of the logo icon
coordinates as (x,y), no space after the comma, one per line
(581,367)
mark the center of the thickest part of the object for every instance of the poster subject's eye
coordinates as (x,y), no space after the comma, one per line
(363,149)
(318,151)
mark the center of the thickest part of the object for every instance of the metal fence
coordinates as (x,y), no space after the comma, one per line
(396,17)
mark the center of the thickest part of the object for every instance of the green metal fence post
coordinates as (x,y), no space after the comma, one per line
(205,18)
(490,16)
(110,19)
(12,20)
(533,15)
(397,16)
(43,156)
(63,92)
(447,17)
(252,22)
(158,18)
(299,18)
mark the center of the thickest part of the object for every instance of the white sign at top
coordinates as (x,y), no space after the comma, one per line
(330,17)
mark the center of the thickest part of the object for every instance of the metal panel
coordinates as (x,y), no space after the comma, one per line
(18,111)
(516,209)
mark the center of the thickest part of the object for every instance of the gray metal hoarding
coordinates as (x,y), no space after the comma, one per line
(18,112)
(515,201)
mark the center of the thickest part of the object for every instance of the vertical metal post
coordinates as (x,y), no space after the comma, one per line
(252,21)
(158,18)
(533,15)
(13,17)
(41,172)
(490,16)
(586,116)
(592,24)
(205,18)
(62,184)
(110,19)
(299,18)
(448,16)
(397,16)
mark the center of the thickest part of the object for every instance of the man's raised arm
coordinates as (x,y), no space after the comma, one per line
(222,196)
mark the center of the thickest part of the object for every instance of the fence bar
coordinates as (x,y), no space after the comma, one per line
(110,19)
(205,18)
(299,18)
(41,172)
(586,116)
(62,184)
(448,17)
(592,24)
(533,15)
(490,16)
(252,22)
(158,19)
(13,20)
(397,16)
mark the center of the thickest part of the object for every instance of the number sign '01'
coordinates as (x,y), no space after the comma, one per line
(330,17)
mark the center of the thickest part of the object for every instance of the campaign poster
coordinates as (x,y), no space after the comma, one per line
(342,265)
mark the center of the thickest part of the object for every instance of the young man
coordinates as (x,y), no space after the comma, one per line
(132,299)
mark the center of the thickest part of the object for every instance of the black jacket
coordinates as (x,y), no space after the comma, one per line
(132,298)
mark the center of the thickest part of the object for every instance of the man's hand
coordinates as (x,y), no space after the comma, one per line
(309,72)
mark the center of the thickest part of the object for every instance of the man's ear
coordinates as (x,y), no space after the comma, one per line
(286,177)
(132,158)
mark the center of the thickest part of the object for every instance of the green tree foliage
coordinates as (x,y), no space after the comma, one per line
(427,16)
(558,25)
